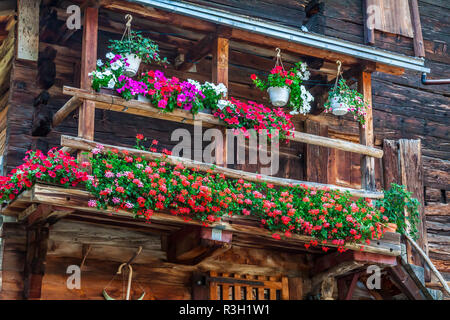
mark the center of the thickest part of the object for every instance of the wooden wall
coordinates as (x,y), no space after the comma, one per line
(109,247)
(403,107)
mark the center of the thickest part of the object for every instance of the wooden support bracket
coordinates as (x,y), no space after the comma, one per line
(191,245)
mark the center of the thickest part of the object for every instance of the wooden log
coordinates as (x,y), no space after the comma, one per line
(72,104)
(115,103)
(88,145)
(86,116)
(366,136)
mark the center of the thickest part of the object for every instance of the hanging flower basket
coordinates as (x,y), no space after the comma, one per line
(286,86)
(135,48)
(279,96)
(132,64)
(338,106)
(342,99)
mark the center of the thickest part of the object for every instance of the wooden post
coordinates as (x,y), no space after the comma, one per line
(369,33)
(419,49)
(366,136)
(86,118)
(220,75)
(402,164)
(410,155)
(316,156)
(34,270)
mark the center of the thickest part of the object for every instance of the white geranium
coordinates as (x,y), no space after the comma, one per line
(111,84)
(221,89)
(99,62)
(222,104)
(110,55)
(107,72)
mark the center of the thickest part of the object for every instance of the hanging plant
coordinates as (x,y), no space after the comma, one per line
(135,48)
(282,85)
(342,99)
(108,72)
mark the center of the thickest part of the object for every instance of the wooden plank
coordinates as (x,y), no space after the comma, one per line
(392,16)
(366,136)
(419,48)
(28,30)
(316,156)
(86,115)
(437,209)
(87,145)
(391,169)
(295,288)
(72,104)
(78,199)
(412,177)
(219,69)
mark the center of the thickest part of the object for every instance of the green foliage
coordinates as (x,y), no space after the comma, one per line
(143,47)
(352,98)
(396,201)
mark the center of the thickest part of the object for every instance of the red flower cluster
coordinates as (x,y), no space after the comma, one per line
(244,116)
(56,167)
(143,187)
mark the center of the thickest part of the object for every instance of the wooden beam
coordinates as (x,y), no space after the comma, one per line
(116,103)
(316,156)
(220,75)
(366,135)
(72,104)
(78,200)
(352,286)
(200,50)
(191,245)
(369,32)
(88,145)
(419,48)
(34,270)
(410,156)
(28,30)
(86,117)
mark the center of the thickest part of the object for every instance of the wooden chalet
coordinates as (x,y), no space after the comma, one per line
(46,100)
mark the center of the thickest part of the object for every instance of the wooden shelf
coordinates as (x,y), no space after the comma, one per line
(118,104)
(66,202)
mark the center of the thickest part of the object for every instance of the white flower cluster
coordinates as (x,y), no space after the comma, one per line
(304,73)
(220,88)
(107,72)
(307,98)
(223,104)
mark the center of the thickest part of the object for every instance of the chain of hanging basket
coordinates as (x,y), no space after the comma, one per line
(127,30)
(278,61)
(339,63)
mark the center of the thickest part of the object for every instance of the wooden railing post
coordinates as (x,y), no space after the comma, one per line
(220,75)
(366,136)
(86,116)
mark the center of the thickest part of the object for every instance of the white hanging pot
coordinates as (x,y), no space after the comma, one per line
(134,62)
(279,96)
(143,98)
(338,106)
